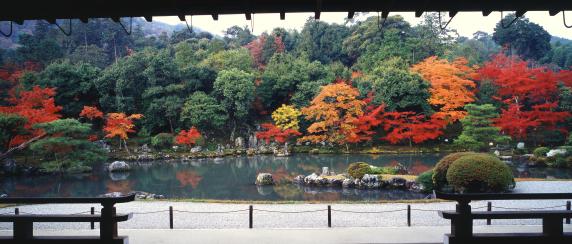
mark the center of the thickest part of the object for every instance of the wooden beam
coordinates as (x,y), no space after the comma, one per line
(248,16)
(215,17)
(282,15)
(487,12)
(351,14)
(317,15)
(182,18)
(148,18)
(553,12)
(418,13)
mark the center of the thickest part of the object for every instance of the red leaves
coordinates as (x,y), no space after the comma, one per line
(516,123)
(91,113)
(189,137)
(119,124)
(363,125)
(274,133)
(37,106)
(416,128)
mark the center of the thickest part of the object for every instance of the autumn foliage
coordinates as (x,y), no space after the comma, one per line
(412,127)
(451,88)
(120,125)
(91,113)
(37,106)
(188,137)
(273,133)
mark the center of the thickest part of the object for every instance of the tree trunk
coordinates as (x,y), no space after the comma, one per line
(126,148)
(21,146)
(171,125)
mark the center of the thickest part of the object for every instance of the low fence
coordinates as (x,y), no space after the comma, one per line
(329,211)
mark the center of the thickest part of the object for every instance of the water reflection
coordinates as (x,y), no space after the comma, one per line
(232,178)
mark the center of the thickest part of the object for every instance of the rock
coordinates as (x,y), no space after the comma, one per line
(196,149)
(398,183)
(112,194)
(141,195)
(118,166)
(414,186)
(370,181)
(348,183)
(239,142)
(497,152)
(298,179)
(314,179)
(3,195)
(335,181)
(252,141)
(145,148)
(325,171)
(250,151)
(103,145)
(520,145)
(401,169)
(555,152)
(264,179)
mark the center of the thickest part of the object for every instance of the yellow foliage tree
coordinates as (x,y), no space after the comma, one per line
(286,117)
(333,111)
(119,125)
(451,87)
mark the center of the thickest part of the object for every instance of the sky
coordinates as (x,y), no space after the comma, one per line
(466,23)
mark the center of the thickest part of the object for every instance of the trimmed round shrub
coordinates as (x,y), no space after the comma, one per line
(162,141)
(426,180)
(541,151)
(357,170)
(480,173)
(440,170)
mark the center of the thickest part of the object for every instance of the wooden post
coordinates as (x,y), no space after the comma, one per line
(250,210)
(171,217)
(17,211)
(568,207)
(22,229)
(329,216)
(489,209)
(409,215)
(462,226)
(92,213)
(107,226)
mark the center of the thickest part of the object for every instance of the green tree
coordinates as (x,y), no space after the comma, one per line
(230,59)
(323,42)
(523,37)
(11,125)
(394,85)
(478,131)
(235,89)
(476,50)
(75,83)
(204,112)
(236,36)
(90,54)
(66,148)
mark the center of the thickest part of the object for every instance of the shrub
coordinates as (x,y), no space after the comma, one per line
(479,173)
(541,151)
(357,170)
(382,170)
(440,170)
(426,180)
(557,161)
(162,141)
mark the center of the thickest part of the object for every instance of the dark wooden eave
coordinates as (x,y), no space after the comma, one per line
(19,10)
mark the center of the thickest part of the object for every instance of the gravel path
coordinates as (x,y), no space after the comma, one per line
(154,214)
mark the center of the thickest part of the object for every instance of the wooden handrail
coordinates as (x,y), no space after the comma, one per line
(501,196)
(47,200)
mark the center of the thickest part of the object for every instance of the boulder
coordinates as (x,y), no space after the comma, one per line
(145,148)
(112,194)
(348,183)
(298,179)
(239,142)
(370,181)
(118,166)
(326,171)
(3,195)
(196,149)
(398,183)
(555,152)
(264,179)
(520,145)
(314,179)
(250,151)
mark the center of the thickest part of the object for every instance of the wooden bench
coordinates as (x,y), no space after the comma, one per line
(462,219)
(23,231)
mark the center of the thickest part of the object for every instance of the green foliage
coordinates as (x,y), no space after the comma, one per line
(162,141)
(395,86)
(65,147)
(10,126)
(478,131)
(90,54)
(527,39)
(480,173)
(322,41)
(541,151)
(476,50)
(441,168)
(74,82)
(239,59)
(204,112)
(426,180)
(382,170)
(357,170)
(235,88)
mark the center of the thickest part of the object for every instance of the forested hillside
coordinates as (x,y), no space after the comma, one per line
(357,84)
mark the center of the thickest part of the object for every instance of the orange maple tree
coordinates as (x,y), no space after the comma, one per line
(451,85)
(37,106)
(188,137)
(334,111)
(91,113)
(272,132)
(119,125)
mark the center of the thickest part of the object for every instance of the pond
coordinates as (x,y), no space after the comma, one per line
(232,178)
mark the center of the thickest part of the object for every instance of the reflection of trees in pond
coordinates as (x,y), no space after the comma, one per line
(418,168)
(123,186)
(309,168)
(188,177)
(34,188)
(321,196)
(288,191)
(280,174)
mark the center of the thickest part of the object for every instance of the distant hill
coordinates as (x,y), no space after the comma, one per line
(154,28)
(565,41)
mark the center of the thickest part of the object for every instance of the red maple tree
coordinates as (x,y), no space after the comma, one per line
(416,128)
(91,112)
(188,137)
(272,132)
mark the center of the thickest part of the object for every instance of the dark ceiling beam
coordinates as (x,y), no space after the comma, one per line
(66,9)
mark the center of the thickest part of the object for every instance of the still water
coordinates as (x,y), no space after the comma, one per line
(232,178)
